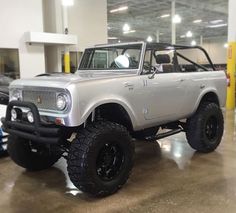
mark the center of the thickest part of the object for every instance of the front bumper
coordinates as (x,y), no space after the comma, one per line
(38,131)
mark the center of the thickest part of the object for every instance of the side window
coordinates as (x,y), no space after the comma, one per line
(164,61)
(160,61)
(147,67)
(100,60)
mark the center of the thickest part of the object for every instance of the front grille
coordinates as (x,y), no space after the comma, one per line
(42,99)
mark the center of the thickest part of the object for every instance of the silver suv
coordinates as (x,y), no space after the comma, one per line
(119,92)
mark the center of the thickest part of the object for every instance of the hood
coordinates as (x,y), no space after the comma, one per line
(62,80)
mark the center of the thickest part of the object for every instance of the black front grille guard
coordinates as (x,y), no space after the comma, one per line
(37,131)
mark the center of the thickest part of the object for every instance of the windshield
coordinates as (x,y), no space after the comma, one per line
(114,58)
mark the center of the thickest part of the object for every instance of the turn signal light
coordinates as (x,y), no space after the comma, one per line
(59,121)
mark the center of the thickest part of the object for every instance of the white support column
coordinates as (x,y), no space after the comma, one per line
(65,19)
(201,40)
(231,21)
(173,25)
(66,31)
(157,36)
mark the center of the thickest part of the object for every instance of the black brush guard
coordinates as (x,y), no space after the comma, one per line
(37,131)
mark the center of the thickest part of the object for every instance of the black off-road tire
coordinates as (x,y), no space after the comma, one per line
(21,153)
(92,153)
(142,134)
(205,128)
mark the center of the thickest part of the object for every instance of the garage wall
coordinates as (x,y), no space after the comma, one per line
(216,51)
(16,18)
(88,20)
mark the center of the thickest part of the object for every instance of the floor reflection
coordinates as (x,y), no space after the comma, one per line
(177,150)
(70,188)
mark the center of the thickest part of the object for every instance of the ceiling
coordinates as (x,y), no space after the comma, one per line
(143,16)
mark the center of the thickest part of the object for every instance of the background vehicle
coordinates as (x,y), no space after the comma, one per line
(4,98)
(119,92)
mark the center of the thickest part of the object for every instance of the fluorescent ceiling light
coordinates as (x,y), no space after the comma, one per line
(189,34)
(119,41)
(176,19)
(119,9)
(226,45)
(197,21)
(67,2)
(216,21)
(193,43)
(217,25)
(126,28)
(165,16)
(183,36)
(149,39)
(112,38)
(130,31)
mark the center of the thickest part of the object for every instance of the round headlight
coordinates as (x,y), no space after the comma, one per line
(30,117)
(16,113)
(13,114)
(16,95)
(62,101)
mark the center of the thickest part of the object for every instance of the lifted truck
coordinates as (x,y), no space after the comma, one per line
(120,92)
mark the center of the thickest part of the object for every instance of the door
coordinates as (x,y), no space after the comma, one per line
(164,96)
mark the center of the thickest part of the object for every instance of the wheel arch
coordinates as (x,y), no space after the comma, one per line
(113,111)
(207,96)
(210,97)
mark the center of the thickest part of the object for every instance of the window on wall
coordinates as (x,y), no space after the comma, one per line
(9,66)
(74,61)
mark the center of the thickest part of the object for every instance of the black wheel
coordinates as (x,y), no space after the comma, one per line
(101,158)
(31,156)
(140,135)
(205,128)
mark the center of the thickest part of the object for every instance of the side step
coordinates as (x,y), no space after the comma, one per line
(163,135)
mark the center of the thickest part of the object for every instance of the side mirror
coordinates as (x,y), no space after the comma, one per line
(153,74)
(157,68)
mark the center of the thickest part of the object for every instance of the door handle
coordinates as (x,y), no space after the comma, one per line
(182,79)
(128,84)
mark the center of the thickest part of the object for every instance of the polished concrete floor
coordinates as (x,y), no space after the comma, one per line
(168,176)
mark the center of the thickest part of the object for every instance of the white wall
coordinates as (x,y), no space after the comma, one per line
(16,18)
(88,20)
(52,16)
(216,51)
